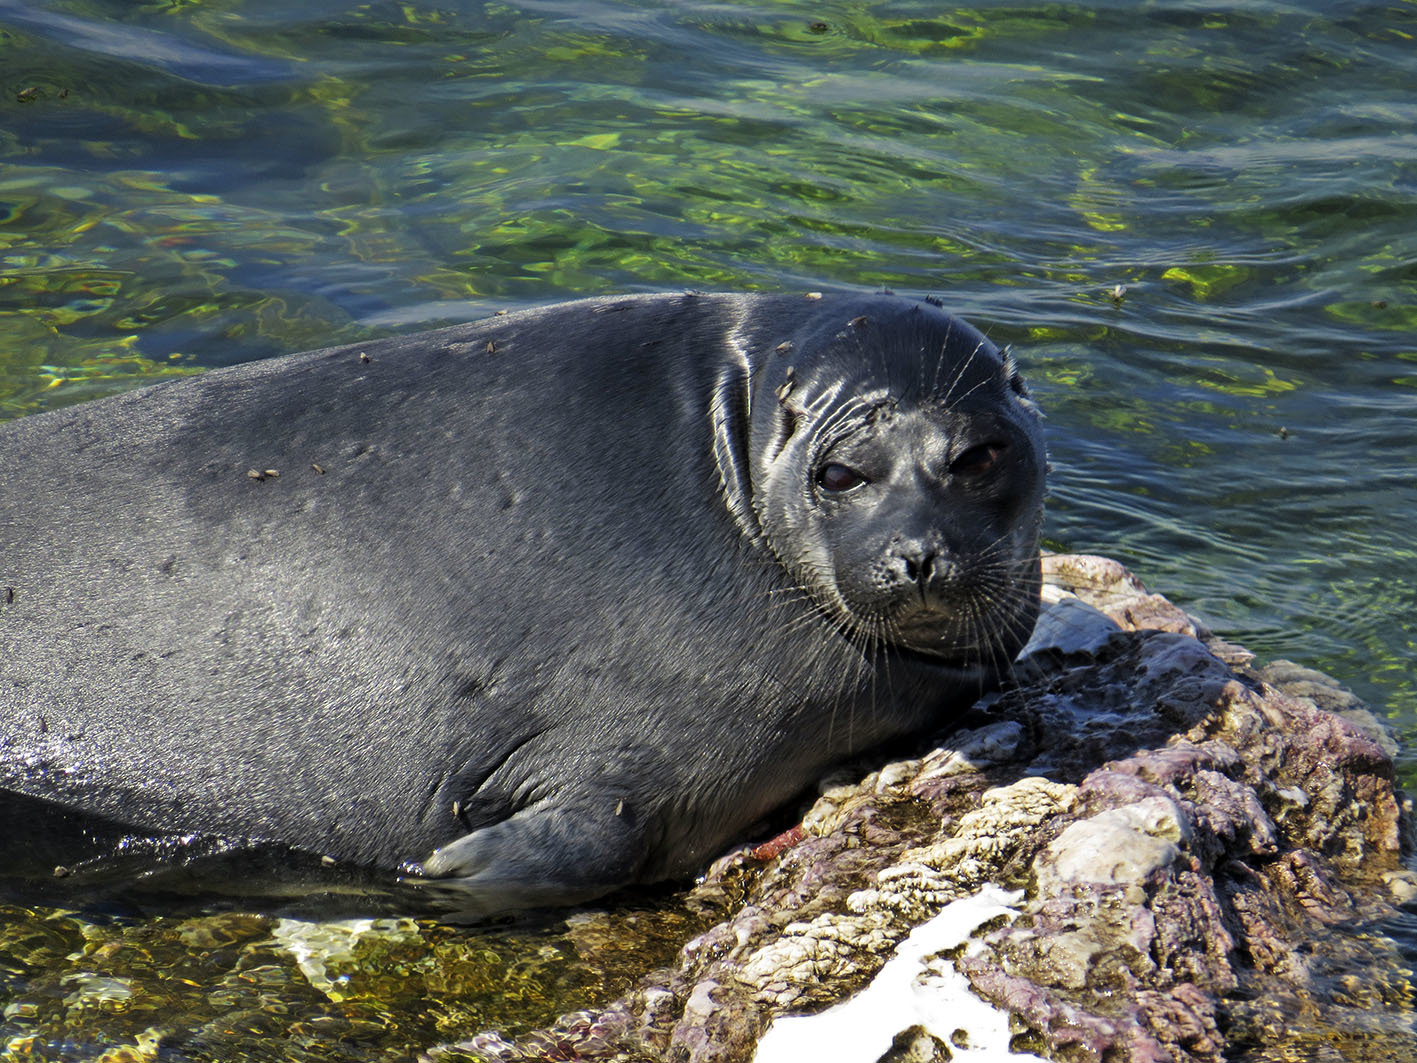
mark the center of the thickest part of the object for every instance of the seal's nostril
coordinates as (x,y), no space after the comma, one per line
(927,570)
(920,570)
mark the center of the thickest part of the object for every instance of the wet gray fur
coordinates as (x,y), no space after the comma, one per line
(539,605)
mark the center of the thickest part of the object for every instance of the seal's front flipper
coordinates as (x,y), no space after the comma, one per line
(539,857)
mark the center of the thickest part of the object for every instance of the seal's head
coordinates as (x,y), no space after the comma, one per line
(897,473)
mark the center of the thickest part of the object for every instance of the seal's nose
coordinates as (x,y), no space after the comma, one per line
(928,568)
(919,569)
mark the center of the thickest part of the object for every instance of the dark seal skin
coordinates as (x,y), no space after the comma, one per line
(532,607)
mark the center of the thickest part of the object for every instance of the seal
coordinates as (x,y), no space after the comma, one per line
(532,607)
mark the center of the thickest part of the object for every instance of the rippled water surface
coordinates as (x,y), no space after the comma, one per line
(1196,222)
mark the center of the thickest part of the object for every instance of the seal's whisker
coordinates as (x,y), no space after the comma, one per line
(845,414)
(962,366)
(939,359)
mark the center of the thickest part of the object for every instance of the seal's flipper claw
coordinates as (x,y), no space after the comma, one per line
(538,857)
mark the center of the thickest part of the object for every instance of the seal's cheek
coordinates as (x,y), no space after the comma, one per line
(878,545)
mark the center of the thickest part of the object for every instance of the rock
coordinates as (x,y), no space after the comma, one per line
(1205,854)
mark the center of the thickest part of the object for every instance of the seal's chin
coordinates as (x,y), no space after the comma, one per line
(934,640)
(962,667)
(933,649)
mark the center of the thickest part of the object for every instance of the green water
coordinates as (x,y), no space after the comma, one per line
(191,183)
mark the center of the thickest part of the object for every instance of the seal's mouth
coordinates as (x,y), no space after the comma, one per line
(963,663)
(969,644)
(937,636)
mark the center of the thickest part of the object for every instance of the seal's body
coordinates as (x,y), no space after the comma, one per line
(538,605)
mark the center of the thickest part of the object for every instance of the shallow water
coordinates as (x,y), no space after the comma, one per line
(185,185)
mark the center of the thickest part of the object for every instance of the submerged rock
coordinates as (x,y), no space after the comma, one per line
(1204,853)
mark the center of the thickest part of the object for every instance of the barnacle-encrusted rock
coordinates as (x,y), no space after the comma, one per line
(1207,854)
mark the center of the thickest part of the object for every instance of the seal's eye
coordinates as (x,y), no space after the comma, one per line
(978,460)
(838,478)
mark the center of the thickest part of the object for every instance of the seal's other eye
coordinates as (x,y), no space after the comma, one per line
(838,478)
(978,460)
